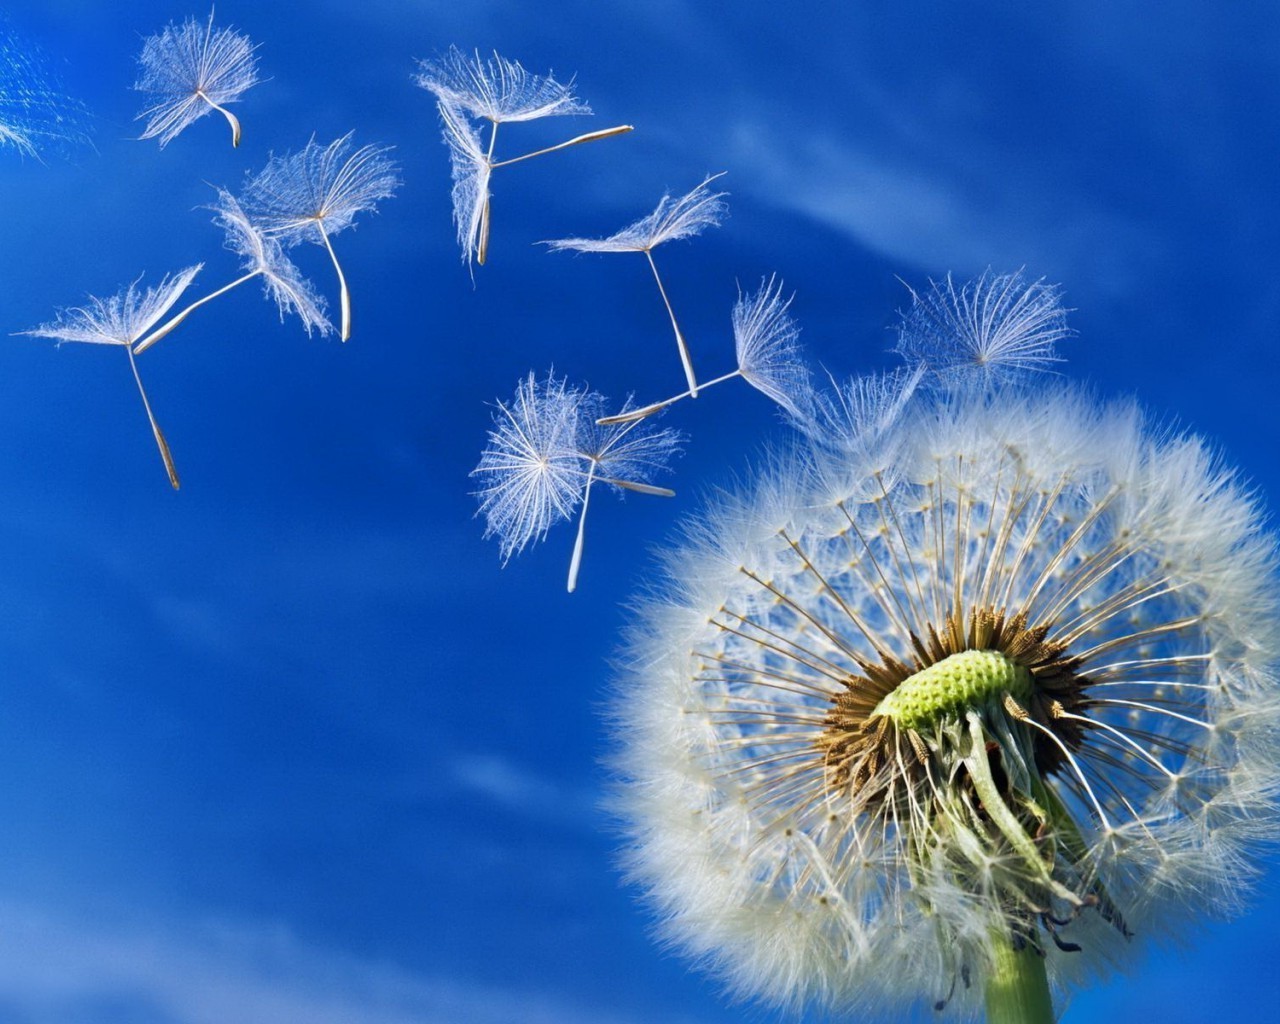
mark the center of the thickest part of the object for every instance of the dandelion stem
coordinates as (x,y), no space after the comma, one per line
(576,561)
(342,283)
(231,118)
(161,443)
(1017,990)
(684,349)
(604,133)
(649,410)
(177,318)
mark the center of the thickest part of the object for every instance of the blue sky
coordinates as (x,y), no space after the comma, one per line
(290,744)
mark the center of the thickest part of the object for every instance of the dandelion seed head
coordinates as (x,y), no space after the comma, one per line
(636,452)
(672,219)
(263,254)
(992,330)
(530,473)
(471,171)
(189,68)
(318,191)
(121,319)
(496,88)
(1021,688)
(766,340)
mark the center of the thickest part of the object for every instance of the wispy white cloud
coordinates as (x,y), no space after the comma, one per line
(521,789)
(933,214)
(55,969)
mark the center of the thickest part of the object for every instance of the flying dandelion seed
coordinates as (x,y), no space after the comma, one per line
(263,257)
(766,342)
(673,219)
(471,169)
(958,709)
(193,70)
(496,90)
(545,453)
(123,320)
(996,328)
(35,112)
(314,194)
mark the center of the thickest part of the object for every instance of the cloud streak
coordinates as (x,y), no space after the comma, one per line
(55,969)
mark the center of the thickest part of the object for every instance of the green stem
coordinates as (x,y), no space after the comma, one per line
(1017,991)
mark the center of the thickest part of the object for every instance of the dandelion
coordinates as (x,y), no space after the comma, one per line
(471,170)
(496,90)
(35,112)
(996,328)
(672,219)
(545,452)
(529,471)
(766,343)
(122,320)
(619,455)
(314,194)
(263,257)
(194,69)
(957,710)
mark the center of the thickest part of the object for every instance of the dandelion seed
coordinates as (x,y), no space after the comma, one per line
(1000,704)
(545,452)
(314,194)
(35,112)
(194,69)
(672,219)
(766,341)
(529,471)
(620,455)
(998,327)
(263,257)
(496,90)
(122,320)
(471,170)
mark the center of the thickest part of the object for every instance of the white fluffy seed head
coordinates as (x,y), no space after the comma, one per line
(189,68)
(636,452)
(1126,793)
(496,88)
(319,190)
(262,253)
(767,343)
(471,172)
(121,319)
(546,449)
(672,219)
(998,328)
(530,472)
